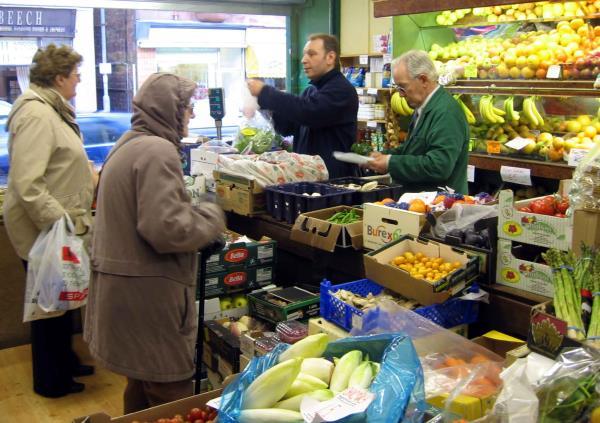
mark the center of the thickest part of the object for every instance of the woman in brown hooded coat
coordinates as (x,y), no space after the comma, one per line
(141,316)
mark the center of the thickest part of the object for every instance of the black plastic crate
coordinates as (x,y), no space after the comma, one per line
(382,191)
(287,201)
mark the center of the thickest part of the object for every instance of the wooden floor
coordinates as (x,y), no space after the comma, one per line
(18,403)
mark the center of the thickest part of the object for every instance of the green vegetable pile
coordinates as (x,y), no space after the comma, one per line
(262,140)
(344,217)
(361,148)
(566,398)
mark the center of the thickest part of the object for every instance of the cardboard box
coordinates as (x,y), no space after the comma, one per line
(498,342)
(204,162)
(531,228)
(303,309)
(382,225)
(468,407)
(237,254)
(547,333)
(312,228)
(182,406)
(248,339)
(244,361)
(212,310)
(320,325)
(586,229)
(239,194)
(237,279)
(514,354)
(522,274)
(223,343)
(226,368)
(210,359)
(378,269)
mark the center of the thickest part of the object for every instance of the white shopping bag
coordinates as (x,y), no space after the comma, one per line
(58,272)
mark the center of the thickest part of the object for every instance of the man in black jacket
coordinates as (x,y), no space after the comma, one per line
(323,118)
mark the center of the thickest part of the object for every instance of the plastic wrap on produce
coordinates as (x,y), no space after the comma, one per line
(399,380)
(276,167)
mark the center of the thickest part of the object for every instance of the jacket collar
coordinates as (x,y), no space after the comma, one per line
(322,80)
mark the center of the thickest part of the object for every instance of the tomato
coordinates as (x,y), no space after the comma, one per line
(195,414)
(524,209)
(199,421)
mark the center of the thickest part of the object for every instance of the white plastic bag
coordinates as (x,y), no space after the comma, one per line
(58,272)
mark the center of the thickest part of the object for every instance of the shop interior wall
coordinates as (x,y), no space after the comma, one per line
(312,17)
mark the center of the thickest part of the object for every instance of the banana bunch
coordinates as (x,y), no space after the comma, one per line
(531,112)
(468,113)
(509,108)
(489,113)
(400,106)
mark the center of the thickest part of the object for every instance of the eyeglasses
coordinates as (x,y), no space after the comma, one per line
(398,88)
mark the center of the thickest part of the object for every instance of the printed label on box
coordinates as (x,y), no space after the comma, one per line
(264,251)
(211,281)
(264,275)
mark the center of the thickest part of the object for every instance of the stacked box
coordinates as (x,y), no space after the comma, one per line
(239,267)
(533,229)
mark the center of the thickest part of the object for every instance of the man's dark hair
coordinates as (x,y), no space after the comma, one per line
(330,43)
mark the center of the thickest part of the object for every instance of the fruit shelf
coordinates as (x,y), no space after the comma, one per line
(571,88)
(383,8)
(540,169)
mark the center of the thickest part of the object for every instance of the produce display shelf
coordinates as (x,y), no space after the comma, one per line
(383,8)
(547,88)
(537,168)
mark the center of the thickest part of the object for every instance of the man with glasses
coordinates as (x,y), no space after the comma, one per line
(323,118)
(435,153)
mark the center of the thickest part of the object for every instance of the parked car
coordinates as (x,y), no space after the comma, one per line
(100,131)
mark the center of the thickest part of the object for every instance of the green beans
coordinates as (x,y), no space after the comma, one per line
(344,217)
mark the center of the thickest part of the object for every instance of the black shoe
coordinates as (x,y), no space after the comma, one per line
(72,388)
(76,387)
(82,370)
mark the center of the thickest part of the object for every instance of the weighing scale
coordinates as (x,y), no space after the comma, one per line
(216,105)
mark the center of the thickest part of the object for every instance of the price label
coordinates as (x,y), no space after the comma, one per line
(576,155)
(518,143)
(387,58)
(350,401)
(372,91)
(493,147)
(554,72)
(470,173)
(471,71)
(359,91)
(363,59)
(516,175)
(372,124)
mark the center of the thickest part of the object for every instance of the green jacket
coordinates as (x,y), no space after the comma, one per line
(436,152)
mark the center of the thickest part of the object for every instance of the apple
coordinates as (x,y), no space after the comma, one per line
(225,303)
(239,301)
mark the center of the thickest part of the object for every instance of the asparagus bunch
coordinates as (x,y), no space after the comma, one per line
(567,298)
(593,334)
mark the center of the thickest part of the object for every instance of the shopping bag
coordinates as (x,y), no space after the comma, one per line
(58,272)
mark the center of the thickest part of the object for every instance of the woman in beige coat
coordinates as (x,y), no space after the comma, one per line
(141,315)
(49,176)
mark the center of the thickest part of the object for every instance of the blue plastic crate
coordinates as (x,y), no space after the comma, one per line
(452,312)
(449,314)
(339,312)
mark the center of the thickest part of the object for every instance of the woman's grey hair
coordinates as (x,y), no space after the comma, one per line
(417,63)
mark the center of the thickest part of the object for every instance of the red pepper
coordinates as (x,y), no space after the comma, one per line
(543,206)
(524,209)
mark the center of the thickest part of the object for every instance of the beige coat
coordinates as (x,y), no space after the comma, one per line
(49,172)
(141,317)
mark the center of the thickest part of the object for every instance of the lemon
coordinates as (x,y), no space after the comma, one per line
(248,132)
